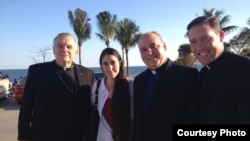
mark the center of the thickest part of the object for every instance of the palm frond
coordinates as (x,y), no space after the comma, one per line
(229,29)
(98,35)
(105,24)
(81,26)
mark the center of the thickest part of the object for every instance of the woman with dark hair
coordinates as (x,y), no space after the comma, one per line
(114,99)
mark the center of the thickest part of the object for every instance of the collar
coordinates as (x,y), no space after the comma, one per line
(158,70)
(64,68)
(215,63)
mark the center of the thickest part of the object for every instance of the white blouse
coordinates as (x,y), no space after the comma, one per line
(104,130)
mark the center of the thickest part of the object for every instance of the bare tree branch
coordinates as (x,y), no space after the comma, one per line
(42,52)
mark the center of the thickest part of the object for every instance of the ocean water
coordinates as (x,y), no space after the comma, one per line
(15,73)
(18,73)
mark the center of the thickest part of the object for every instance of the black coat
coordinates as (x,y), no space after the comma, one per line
(226,91)
(172,103)
(49,112)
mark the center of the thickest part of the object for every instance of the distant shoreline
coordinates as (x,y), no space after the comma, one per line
(133,71)
(18,73)
(84,66)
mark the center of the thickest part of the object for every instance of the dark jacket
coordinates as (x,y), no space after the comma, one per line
(172,102)
(49,111)
(224,96)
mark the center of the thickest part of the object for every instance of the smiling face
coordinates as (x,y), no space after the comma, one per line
(206,44)
(65,50)
(152,50)
(110,66)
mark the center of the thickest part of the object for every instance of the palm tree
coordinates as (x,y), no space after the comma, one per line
(127,34)
(245,34)
(106,25)
(223,19)
(248,32)
(241,43)
(237,44)
(82,28)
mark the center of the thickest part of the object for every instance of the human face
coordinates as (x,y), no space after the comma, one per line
(152,50)
(110,66)
(206,44)
(65,51)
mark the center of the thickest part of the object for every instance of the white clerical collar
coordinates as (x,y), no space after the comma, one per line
(153,72)
(68,68)
(209,68)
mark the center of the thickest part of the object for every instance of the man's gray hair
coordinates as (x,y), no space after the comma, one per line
(151,32)
(62,35)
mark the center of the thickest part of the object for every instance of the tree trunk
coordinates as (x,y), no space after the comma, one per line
(107,43)
(123,55)
(80,52)
(127,61)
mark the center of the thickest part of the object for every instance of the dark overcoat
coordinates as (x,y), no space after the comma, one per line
(225,98)
(172,102)
(49,112)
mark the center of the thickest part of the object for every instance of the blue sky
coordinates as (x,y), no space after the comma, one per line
(27,25)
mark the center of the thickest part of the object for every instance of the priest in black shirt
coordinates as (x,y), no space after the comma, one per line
(56,100)
(223,91)
(163,93)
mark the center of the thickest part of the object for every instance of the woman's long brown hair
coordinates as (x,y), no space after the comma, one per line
(121,114)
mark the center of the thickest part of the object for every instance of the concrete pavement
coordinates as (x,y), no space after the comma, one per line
(9,111)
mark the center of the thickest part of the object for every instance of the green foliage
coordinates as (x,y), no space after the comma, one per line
(81,26)
(184,49)
(127,34)
(237,44)
(245,34)
(185,55)
(224,20)
(241,42)
(106,23)
(246,52)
